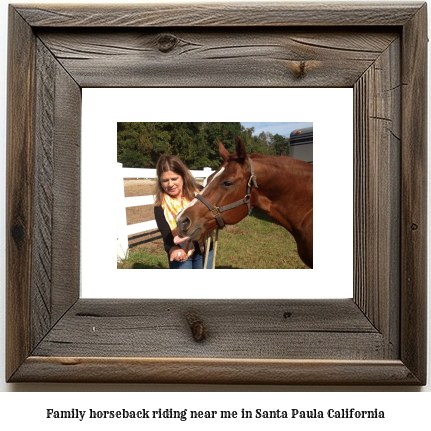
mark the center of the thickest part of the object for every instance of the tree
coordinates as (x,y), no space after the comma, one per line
(280,145)
(196,143)
(140,144)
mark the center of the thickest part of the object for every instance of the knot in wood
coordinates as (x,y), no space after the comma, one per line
(167,42)
(18,233)
(300,69)
(197,328)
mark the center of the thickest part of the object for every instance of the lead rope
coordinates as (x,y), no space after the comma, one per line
(215,247)
(207,248)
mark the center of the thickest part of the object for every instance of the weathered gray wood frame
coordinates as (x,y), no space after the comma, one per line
(379,50)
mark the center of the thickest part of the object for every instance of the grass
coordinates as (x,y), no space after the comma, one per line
(257,242)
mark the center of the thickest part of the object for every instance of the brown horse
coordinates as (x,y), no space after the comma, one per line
(281,187)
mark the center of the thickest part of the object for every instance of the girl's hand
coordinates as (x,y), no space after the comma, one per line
(178,254)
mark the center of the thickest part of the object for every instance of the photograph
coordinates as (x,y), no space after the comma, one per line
(261,170)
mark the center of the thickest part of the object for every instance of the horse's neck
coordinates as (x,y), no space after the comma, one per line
(283,186)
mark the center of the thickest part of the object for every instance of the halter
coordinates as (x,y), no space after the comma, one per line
(246,200)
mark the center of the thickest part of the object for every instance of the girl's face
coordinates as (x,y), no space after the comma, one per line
(172,184)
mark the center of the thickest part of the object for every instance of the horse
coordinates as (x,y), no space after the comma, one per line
(281,187)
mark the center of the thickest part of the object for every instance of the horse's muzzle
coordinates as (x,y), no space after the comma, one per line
(183,224)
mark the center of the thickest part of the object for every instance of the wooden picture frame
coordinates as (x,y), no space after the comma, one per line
(378,337)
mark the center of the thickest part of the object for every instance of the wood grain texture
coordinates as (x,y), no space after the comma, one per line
(216,15)
(56,185)
(19,199)
(67,194)
(215,371)
(377,181)
(43,195)
(378,337)
(210,57)
(269,329)
(414,194)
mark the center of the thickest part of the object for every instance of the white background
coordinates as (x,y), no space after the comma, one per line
(405,409)
(330,110)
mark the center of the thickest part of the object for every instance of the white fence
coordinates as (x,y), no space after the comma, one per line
(124,230)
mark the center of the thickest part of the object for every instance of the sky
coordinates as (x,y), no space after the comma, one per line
(283,129)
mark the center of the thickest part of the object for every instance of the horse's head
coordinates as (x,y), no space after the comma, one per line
(226,186)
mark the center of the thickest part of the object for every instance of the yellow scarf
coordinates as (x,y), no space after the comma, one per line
(171,208)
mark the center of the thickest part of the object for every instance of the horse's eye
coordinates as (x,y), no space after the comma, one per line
(227,183)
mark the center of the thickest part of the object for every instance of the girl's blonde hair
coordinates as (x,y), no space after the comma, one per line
(174,164)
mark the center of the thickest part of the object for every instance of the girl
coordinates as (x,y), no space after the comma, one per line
(176,187)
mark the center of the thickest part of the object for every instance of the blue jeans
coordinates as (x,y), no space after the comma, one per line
(195,261)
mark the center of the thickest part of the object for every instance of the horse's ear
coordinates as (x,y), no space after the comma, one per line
(224,154)
(240,150)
